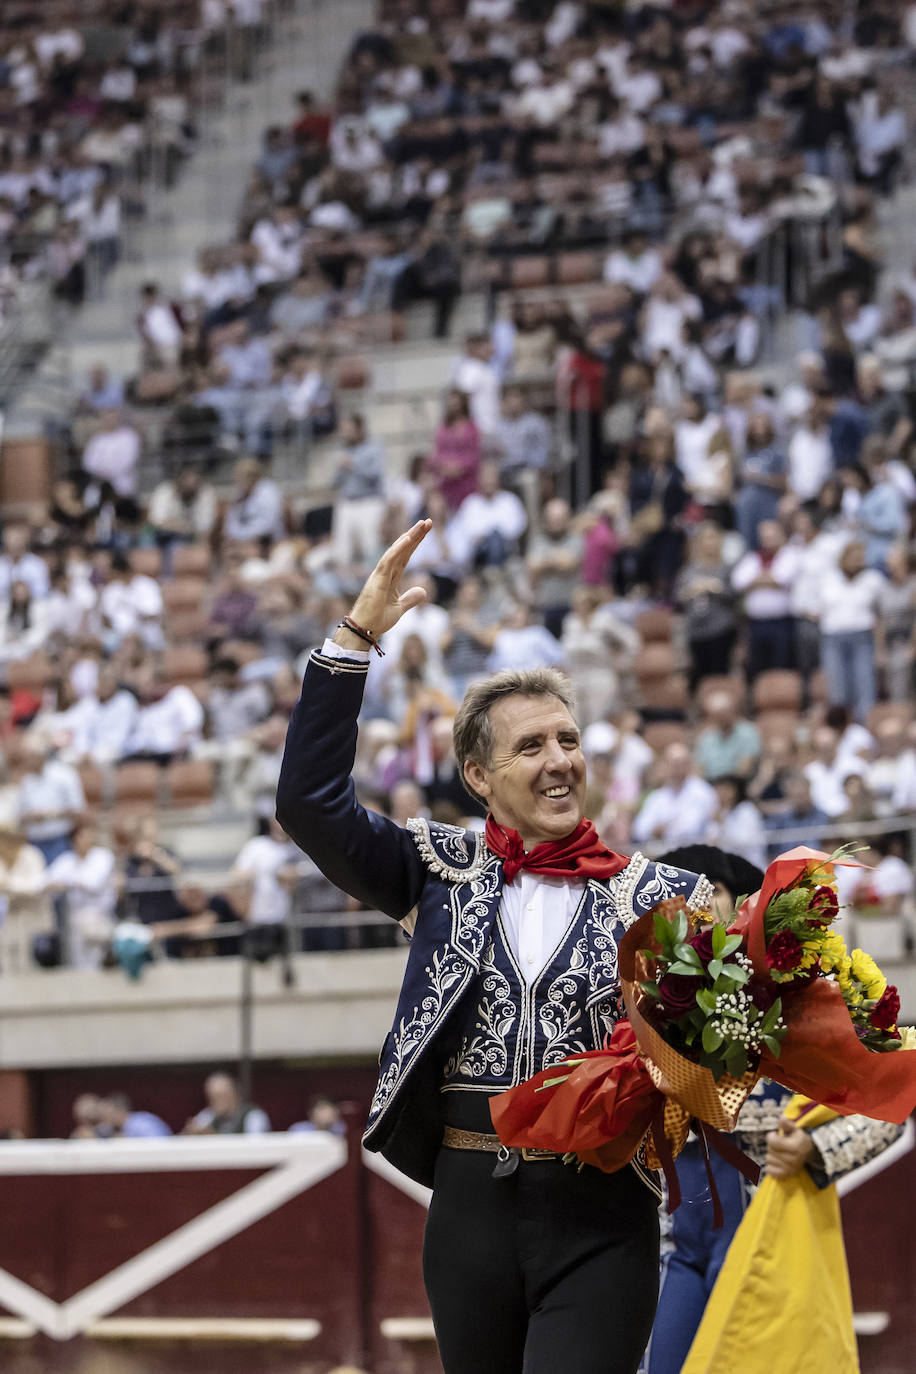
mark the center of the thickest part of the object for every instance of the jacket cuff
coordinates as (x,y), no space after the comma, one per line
(339,665)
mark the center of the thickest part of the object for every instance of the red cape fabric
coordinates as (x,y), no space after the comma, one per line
(580,855)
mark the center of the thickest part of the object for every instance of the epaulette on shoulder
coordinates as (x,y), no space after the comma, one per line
(449,851)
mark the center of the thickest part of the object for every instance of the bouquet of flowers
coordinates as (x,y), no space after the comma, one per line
(710,1008)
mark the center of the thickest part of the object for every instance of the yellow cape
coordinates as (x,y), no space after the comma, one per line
(782,1300)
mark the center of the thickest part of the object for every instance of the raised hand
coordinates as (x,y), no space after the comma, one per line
(381,604)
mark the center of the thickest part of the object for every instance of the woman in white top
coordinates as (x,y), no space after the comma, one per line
(24,624)
(850,596)
(596,643)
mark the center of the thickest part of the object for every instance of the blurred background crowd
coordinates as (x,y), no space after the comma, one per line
(659,255)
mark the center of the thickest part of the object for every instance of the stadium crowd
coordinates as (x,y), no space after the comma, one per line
(718,551)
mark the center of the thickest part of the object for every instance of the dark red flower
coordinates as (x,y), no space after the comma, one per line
(763,995)
(677,994)
(886,1012)
(784,952)
(702,943)
(823,906)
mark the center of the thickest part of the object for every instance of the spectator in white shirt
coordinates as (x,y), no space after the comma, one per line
(488,524)
(267,868)
(738,826)
(850,596)
(765,577)
(84,877)
(475,375)
(183,509)
(636,264)
(169,722)
(50,800)
(23,624)
(881,135)
(522,642)
(159,327)
(113,719)
(809,453)
(113,454)
(17,564)
(130,604)
(681,810)
(828,770)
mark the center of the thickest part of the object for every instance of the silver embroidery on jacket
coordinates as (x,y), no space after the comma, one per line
(448,843)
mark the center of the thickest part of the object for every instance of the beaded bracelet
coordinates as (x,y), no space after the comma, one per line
(361,633)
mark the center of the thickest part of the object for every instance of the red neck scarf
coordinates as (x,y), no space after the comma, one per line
(579,855)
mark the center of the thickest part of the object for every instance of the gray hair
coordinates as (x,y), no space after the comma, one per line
(473,732)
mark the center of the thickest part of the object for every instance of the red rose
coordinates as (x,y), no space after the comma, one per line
(763,995)
(888,1009)
(677,994)
(784,952)
(702,943)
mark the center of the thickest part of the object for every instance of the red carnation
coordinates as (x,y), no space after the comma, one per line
(784,952)
(888,1009)
(824,904)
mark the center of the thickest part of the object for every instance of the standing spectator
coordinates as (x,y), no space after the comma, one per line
(704,593)
(681,809)
(599,647)
(762,478)
(765,577)
(475,375)
(455,459)
(895,630)
(810,455)
(84,877)
(149,869)
(728,747)
(554,564)
(266,869)
(658,499)
(118,1118)
(850,599)
(523,442)
(226,1113)
(113,454)
(50,800)
(882,517)
(360,507)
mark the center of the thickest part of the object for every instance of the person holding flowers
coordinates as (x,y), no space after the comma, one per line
(693,1250)
(513,968)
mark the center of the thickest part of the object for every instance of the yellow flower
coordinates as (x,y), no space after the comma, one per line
(907,1037)
(868,974)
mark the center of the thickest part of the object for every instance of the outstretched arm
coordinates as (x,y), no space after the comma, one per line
(360,851)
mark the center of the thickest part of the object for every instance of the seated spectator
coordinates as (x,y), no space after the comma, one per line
(308,396)
(454,463)
(50,800)
(303,308)
(895,630)
(681,809)
(265,873)
(118,1119)
(635,263)
(112,719)
(522,642)
(777,762)
(226,1113)
(598,647)
(827,772)
(468,639)
(359,480)
(18,564)
(195,915)
(148,869)
(130,603)
(257,506)
(323,1115)
(799,820)
(433,273)
(182,509)
(112,455)
(737,826)
(729,747)
(486,529)
(161,329)
(22,874)
(534,349)
(83,876)
(234,612)
(87,1116)
(415,688)
(554,564)
(24,626)
(169,722)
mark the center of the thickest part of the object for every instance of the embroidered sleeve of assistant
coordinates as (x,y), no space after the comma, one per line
(360,851)
(844,1144)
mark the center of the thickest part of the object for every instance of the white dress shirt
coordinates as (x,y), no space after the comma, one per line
(536,912)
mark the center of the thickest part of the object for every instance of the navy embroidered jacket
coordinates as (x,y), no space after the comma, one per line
(451,881)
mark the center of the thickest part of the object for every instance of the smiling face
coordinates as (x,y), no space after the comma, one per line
(534,780)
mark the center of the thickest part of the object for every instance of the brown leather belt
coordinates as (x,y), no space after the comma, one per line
(454,1139)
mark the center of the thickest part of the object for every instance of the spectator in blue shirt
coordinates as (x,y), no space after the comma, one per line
(117,1118)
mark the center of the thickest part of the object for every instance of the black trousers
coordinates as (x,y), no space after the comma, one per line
(548,1271)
